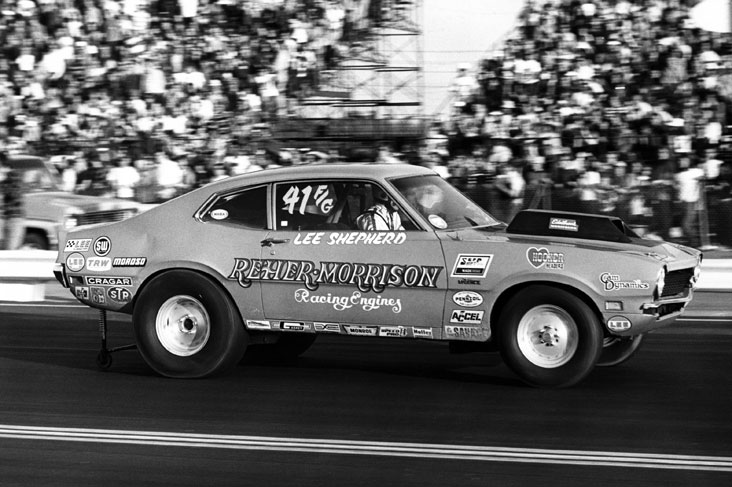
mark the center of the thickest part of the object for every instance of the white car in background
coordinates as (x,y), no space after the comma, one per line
(48,208)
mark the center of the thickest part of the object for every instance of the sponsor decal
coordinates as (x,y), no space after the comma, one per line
(129,262)
(467,317)
(327,327)
(220,214)
(437,221)
(119,294)
(98,264)
(340,303)
(97,295)
(469,282)
(75,262)
(107,281)
(360,330)
(82,292)
(612,282)
(350,238)
(422,332)
(566,224)
(295,326)
(467,299)
(258,325)
(618,323)
(464,332)
(102,246)
(78,245)
(366,277)
(544,258)
(392,331)
(471,265)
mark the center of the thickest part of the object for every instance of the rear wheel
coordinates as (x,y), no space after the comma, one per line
(616,350)
(549,337)
(187,327)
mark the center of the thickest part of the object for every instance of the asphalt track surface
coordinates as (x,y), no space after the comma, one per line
(356,411)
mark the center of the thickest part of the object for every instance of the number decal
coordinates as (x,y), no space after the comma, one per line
(290,199)
(320,196)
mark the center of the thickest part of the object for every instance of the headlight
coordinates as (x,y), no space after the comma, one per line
(70,222)
(661,281)
(697,274)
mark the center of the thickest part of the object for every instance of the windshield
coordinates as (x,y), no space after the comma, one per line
(441,204)
(35,174)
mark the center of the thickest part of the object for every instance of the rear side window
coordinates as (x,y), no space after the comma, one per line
(247,208)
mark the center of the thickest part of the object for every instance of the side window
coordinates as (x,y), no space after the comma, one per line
(248,208)
(336,205)
(308,205)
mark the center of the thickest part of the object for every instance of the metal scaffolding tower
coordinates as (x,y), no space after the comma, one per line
(381,75)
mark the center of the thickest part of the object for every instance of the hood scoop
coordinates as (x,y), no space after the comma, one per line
(584,226)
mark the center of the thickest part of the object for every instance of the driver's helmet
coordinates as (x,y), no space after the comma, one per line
(430,198)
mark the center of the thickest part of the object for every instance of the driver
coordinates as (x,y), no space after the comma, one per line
(382,215)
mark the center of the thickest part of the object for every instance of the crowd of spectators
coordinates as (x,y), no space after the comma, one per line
(622,105)
(151,80)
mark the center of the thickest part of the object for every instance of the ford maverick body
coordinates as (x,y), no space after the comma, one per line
(273,259)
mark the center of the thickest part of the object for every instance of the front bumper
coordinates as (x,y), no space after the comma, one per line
(657,314)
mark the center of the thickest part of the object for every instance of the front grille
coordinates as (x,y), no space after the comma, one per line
(677,282)
(105,216)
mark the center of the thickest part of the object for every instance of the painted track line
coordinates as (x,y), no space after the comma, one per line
(373,448)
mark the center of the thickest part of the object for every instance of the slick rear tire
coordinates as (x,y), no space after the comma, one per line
(549,337)
(616,350)
(186,326)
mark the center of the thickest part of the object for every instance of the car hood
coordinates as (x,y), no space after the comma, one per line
(85,203)
(674,256)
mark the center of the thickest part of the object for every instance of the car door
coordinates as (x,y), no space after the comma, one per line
(235,223)
(322,271)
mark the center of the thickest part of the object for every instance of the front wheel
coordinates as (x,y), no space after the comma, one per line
(549,337)
(187,327)
(616,350)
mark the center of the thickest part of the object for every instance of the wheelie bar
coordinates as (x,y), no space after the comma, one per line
(104,357)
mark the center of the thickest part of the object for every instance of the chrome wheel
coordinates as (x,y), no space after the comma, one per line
(183,326)
(547,336)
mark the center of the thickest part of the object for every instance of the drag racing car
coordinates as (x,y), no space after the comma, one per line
(273,259)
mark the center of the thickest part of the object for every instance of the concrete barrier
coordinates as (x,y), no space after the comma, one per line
(25,273)
(716,275)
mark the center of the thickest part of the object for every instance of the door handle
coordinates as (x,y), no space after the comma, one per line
(269,241)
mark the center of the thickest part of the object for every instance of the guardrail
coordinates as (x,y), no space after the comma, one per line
(25,273)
